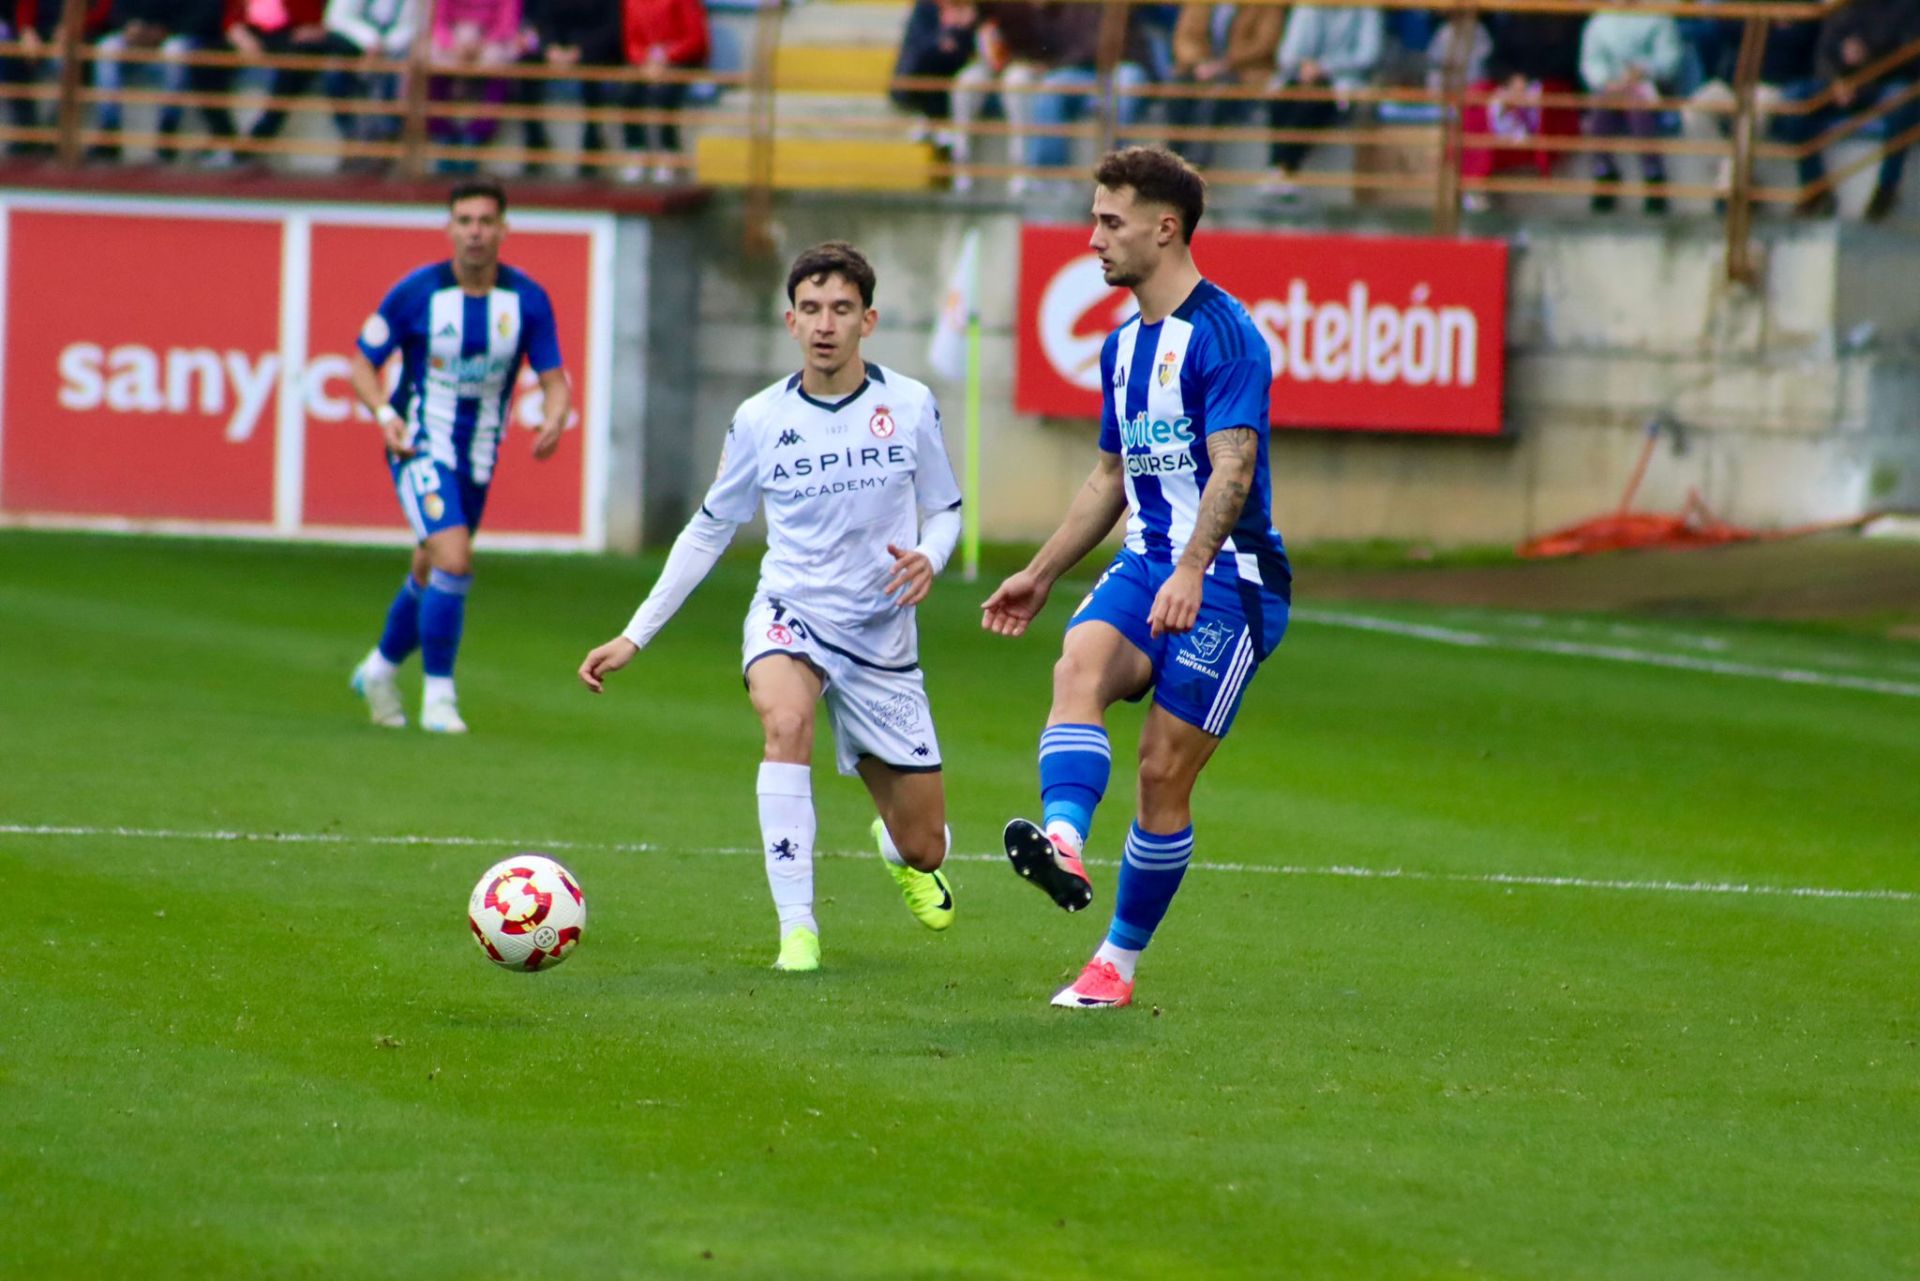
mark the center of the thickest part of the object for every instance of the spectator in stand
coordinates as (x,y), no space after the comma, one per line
(175,28)
(1220,46)
(273,27)
(573,34)
(1012,51)
(1325,49)
(376,29)
(1439,54)
(1786,61)
(36,25)
(1852,39)
(1073,37)
(1628,60)
(662,36)
(938,41)
(1504,103)
(468,36)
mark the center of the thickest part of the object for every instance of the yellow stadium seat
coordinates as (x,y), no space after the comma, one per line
(836,164)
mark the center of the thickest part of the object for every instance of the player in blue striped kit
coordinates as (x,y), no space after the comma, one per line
(1199,594)
(462,327)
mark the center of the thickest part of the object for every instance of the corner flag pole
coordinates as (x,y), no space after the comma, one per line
(970,562)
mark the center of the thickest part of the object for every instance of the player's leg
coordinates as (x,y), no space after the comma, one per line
(784,690)
(376,679)
(1104,658)
(913,836)
(443,617)
(1159,846)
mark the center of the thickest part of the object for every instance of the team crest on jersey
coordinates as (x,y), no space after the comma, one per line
(881,424)
(1168,363)
(504,325)
(434,506)
(780,634)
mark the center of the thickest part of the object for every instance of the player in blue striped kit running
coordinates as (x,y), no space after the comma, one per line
(462,328)
(1198,596)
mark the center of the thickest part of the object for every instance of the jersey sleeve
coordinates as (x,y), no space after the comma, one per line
(933,480)
(735,493)
(541,335)
(1239,391)
(384,329)
(1109,421)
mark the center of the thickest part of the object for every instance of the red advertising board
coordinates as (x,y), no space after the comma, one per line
(347,483)
(147,348)
(1367,333)
(140,383)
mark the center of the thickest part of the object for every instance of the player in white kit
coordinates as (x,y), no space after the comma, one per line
(862,512)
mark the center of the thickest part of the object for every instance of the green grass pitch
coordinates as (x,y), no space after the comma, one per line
(282,1056)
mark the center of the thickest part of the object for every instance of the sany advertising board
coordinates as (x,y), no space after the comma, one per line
(185,368)
(1364,333)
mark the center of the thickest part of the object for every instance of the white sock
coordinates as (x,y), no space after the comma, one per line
(786,837)
(1068,833)
(1122,958)
(376,666)
(438,687)
(891,852)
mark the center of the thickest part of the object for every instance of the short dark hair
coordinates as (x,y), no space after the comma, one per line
(1159,177)
(833,258)
(468,188)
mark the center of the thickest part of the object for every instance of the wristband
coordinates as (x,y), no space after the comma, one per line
(387,414)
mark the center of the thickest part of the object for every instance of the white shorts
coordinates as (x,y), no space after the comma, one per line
(875,711)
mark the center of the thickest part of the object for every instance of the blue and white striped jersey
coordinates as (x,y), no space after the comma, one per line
(1169,386)
(460,355)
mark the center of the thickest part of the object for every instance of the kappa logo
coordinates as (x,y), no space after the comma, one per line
(920,750)
(782,851)
(881,424)
(1209,639)
(789,437)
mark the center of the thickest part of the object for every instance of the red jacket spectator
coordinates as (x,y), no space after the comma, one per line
(43,17)
(678,28)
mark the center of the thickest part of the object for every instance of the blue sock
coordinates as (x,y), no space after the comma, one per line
(1150,873)
(443,611)
(1074,763)
(402,633)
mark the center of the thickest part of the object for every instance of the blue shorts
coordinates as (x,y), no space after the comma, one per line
(435,497)
(1200,675)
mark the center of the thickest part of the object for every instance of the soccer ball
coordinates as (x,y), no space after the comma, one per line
(527,913)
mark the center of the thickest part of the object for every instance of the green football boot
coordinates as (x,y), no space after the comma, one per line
(928,895)
(799,951)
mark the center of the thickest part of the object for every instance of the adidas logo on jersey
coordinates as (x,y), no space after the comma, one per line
(789,437)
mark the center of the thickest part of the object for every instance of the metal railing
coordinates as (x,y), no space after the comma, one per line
(748,103)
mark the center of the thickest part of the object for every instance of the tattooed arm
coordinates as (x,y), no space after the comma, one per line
(1234,454)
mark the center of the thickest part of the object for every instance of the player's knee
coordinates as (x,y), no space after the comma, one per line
(923,845)
(1165,780)
(458,563)
(789,733)
(1074,679)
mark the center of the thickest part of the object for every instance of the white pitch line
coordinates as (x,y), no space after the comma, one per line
(1609,653)
(1731,888)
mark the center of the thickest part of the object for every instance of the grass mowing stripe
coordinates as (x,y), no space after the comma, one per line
(1608,653)
(1255,869)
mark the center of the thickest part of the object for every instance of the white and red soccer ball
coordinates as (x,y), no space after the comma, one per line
(527,913)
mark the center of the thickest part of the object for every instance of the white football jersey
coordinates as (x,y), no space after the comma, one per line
(840,480)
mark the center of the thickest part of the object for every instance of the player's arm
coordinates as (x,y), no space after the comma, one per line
(694,554)
(730,503)
(556,394)
(1234,452)
(937,496)
(372,393)
(543,353)
(1089,519)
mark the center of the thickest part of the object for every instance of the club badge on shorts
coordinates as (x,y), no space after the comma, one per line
(780,634)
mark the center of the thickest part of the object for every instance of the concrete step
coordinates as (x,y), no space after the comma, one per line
(837,165)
